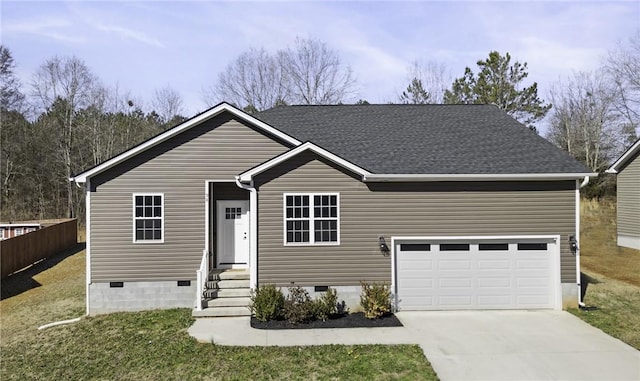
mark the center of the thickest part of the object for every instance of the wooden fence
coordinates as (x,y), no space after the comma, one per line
(19,252)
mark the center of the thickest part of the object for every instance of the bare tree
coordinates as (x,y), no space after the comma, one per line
(255,81)
(584,120)
(167,103)
(316,73)
(428,80)
(623,67)
(62,86)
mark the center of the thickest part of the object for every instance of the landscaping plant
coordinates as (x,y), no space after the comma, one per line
(326,305)
(375,300)
(267,303)
(298,306)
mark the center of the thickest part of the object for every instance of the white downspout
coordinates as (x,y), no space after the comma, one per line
(87,243)
(253,231)
(582,185)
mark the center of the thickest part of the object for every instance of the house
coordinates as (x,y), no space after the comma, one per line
(627,168)
(14,229)
(455,206)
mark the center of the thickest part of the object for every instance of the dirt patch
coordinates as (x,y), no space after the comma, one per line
(355,320)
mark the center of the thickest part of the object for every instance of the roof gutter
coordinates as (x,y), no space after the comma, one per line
(475,177)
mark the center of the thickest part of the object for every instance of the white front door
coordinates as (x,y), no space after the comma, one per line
(233,234)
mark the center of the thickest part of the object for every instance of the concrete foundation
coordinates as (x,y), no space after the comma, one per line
(350,295)
(138,296)
(569,295)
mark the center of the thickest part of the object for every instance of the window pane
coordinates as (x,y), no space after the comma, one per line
(318,236)
(532,246)
(415,247)
(148,200)
(148,234)
(139,211)
(493,246)
(157,234)
(334,200)
(305,236)
(333,236)
(138,200)
(157,200)
(334,212)
(316,200)
(305,200)
(289,237)
(305,212)
(156,224)
(157,211)
(139,234)
(297,237)
(289,201)
(454,247)
(139,224)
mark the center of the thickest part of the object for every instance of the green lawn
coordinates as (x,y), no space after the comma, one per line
(155,345)
(611,275)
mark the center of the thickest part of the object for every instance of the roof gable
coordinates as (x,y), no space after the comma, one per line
(247,176)
(625,158)
(192,122)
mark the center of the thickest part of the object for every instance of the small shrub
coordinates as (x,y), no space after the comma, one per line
(326,305)
(375,300)
(267,303)
(298,306)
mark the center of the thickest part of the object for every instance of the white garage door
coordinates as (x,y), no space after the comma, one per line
(480,274)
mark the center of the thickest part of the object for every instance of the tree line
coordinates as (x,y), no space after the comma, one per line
(66,120)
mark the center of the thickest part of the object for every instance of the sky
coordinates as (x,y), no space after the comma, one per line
(145,45)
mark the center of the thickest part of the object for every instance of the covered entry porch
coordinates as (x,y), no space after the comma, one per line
(223,278)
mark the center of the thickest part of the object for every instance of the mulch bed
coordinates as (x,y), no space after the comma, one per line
(355,320)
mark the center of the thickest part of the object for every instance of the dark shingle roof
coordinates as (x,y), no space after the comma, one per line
(424,139)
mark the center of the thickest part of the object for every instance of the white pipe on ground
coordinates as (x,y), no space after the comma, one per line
(62,322)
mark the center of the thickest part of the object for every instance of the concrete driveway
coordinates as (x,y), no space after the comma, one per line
(519,345)
(467,345)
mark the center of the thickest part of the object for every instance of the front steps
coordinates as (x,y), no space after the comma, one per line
(226,294)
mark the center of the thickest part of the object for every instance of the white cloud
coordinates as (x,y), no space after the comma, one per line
(46,27)
(130,34)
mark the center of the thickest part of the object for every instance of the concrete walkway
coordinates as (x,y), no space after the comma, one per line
(469,345)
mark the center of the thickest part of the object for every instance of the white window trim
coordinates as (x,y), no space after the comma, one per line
(311,220)
(2,233)
(133,219)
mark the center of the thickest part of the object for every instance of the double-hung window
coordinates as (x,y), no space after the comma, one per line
(311,219)
(148,217)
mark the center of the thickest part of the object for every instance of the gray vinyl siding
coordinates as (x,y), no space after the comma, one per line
(218,149)
(368,210)
(629,199)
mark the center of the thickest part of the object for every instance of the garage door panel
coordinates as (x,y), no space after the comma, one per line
(532,264)
(493,283)
(504,278)
(447,283)
(455,301)
(454,264)
(487,301)
(532,282)
(494,264)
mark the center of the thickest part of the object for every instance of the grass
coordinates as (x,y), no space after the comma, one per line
(155,345)
(599,252)
(611,275)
